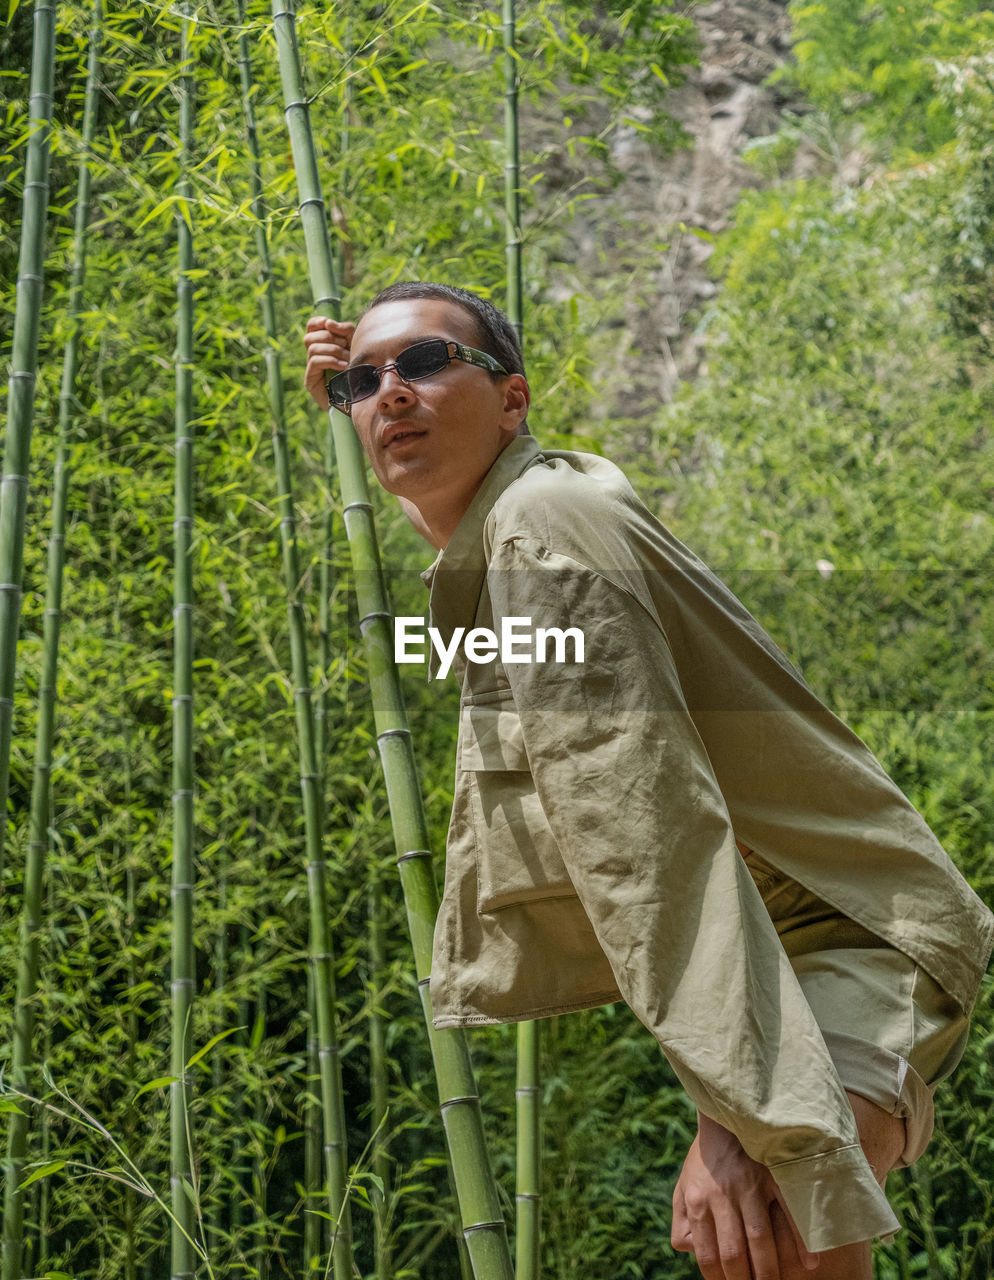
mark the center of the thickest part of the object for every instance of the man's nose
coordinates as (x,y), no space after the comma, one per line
(393,388)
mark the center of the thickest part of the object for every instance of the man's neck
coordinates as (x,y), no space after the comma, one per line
(421,524)
(437,522)
(437,518)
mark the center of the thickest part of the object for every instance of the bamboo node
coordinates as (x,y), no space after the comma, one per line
(402,732)
(485,1226)
(470,1098)
(413,853)
(373,615)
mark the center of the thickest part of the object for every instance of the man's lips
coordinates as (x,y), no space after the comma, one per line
(399,433)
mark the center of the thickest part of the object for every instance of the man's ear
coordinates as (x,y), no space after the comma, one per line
(517,398)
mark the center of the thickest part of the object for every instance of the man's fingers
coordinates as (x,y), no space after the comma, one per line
(343,329)
(781,1219)
(327,355)
(327,343)
(764,1253)
(680,1237)
(785,1239)
(719,1243)
(705,1248)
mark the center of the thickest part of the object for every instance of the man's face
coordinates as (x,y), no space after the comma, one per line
(432,441)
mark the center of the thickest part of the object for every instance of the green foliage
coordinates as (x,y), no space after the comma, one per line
(836,465)
(872,62)
(835,462)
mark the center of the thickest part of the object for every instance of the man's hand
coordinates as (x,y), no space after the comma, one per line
(327,342)
(727,1211)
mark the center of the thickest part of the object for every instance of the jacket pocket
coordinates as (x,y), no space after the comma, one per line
(517,857)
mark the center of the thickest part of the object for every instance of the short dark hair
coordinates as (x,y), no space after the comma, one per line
(494,332)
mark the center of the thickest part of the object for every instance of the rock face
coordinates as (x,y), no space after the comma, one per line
(723,105)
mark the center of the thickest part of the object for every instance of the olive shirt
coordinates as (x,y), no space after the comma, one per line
(592,855)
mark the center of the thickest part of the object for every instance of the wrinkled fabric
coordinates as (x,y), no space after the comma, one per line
(592,854)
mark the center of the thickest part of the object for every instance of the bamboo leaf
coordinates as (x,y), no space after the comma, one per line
(43,1171)
(223,1035)
(160,208)
(159,1083)
(377,78)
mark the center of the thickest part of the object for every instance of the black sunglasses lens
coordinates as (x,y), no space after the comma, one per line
(363,380)
(339,388)
(423,359)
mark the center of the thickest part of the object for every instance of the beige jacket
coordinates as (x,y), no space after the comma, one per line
(592,853)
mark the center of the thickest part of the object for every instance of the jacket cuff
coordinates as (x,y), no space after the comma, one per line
(834,1199)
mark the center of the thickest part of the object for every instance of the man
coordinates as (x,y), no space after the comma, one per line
(674,820)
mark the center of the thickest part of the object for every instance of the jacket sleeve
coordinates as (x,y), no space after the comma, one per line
(629,793)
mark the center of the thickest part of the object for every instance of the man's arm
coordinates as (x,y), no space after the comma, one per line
(639,819)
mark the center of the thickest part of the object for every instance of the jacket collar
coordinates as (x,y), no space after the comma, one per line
(455,579)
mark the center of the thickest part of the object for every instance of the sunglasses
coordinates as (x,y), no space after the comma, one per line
(419,361)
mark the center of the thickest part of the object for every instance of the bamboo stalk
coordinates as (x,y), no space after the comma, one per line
(528,1201)
(327,574)
(183,974)
(314,1233)
(24,362)
(483,1225)
(13,496)
(528,1168)
(241,1176)
(260,1176)
(130,1195)
(378,1081)
(215,1217)
(311,775)
(326,586)
(512,170)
